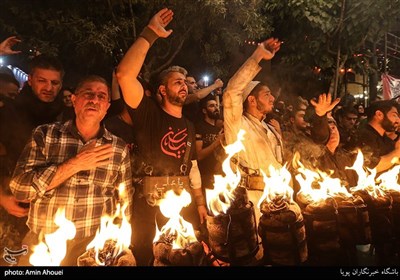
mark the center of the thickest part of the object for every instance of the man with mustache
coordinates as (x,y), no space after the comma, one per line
(77,165)
(382,117)
(209,139)
(246,104)
(165,138)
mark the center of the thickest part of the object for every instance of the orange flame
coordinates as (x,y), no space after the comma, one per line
(389,179)
(366,177)
(110,231)
(327,186)
(277,186)
(53,250)
(181,231)
(219,199)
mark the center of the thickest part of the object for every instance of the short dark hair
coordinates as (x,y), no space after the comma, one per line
(300,104)
(93,78)
(68,89)
(203,102)
(44,61)
(382,105)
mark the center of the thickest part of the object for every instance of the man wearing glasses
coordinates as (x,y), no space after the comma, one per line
(76,165)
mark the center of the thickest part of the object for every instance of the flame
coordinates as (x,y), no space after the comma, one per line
(121,233)
(366,177)
(277,186)
(389,179)
(53,250)
(180,231)
(327,186)
(219,199)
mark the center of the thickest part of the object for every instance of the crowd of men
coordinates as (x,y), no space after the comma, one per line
(71,148)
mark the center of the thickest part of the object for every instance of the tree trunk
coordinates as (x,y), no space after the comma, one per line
(338,64)
(373,76)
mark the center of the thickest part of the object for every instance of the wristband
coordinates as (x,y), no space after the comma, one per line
(149,35)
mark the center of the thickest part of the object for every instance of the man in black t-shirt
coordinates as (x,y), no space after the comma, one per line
(164,136)
(382,116)
(210,153)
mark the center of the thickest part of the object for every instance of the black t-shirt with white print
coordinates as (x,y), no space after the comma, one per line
(161,139)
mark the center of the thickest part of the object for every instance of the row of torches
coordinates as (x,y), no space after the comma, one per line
(325,218)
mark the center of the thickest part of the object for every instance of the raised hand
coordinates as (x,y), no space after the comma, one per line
(7,44)
(219,83)
(269,47)
(324,104)
(159,21)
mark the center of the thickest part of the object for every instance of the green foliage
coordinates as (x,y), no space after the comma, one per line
(314,30)
(86,33)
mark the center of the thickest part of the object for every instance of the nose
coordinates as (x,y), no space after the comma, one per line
(49,86)
(95,97)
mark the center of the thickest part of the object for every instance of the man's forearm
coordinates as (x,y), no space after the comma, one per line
(133,60)
(128,71)
(64,171)
(200,94)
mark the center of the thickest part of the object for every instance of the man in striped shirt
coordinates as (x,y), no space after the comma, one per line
(77,165)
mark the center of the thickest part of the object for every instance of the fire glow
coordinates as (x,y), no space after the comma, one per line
(119,233)
(220,198)
(327,186)
(388,181)
(53,250)
(366,178)
(277,186)
(178,231)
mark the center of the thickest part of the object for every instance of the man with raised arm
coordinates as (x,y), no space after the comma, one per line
(246,104)
(165,138)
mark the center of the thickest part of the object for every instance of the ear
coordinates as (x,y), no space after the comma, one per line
(73,98)
(252,99)
(204,111)
(162,90)
(379,114)
(30,80)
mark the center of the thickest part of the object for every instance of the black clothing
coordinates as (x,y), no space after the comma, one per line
(162,143)
(370,141)
(211,165)
(161,138)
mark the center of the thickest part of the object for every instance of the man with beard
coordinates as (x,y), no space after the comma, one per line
(210,153)
(165,138)
(246,104)
(382,117)
(298,129)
